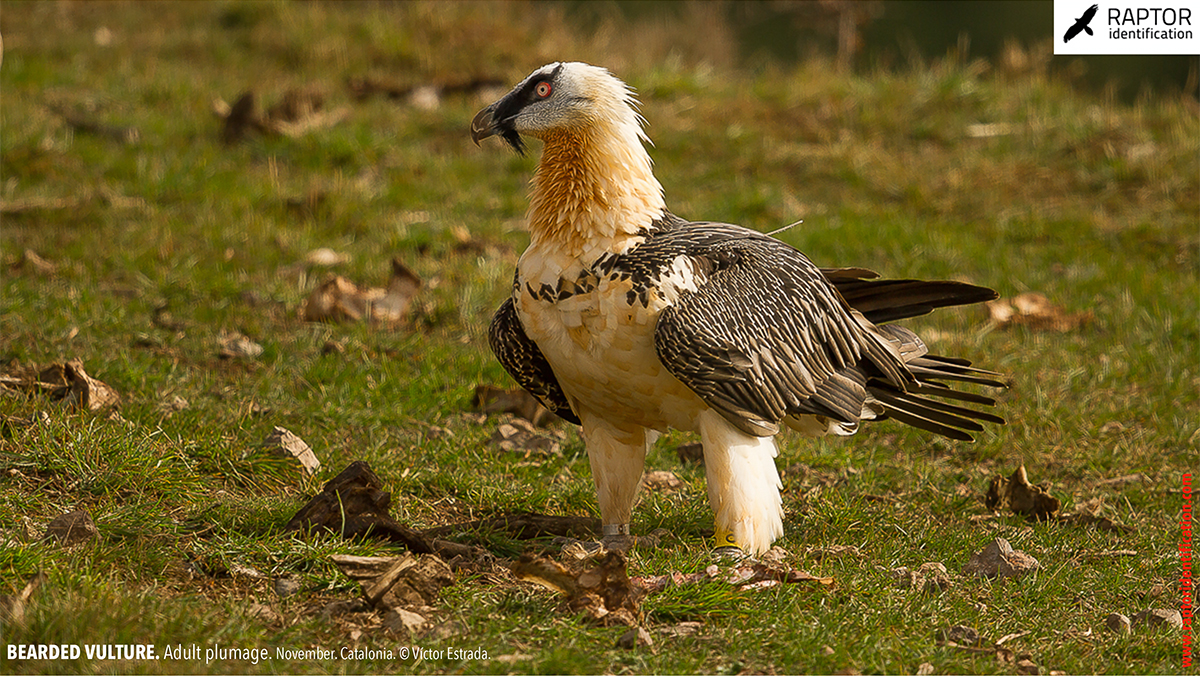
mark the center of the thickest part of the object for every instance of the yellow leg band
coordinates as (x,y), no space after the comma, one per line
(724,538)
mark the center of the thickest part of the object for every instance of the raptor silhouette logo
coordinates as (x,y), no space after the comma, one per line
(1081,24)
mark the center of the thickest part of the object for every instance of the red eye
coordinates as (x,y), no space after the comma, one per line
(542,89)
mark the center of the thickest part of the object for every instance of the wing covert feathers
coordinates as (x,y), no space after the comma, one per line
(769,336)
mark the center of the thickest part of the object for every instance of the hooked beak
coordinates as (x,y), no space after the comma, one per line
(484,125)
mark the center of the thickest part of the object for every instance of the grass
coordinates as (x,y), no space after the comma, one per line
(1089,201)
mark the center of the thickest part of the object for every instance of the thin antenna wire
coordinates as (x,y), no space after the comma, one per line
(784,228)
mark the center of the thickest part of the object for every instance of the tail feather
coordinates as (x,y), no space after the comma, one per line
(892,299)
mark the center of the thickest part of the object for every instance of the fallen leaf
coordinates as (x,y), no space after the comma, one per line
(1037,312)
(600,588)
(517,401)
(283,442)
(339,300)
(999,560)
(12,608)
(408,581)
(520,436)
(236,346)
(1017,494)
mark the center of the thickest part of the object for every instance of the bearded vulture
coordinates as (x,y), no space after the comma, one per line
(626,319)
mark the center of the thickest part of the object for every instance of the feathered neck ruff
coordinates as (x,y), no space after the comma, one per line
(594,189)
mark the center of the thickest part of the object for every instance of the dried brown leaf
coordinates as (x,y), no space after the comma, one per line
(339,300)
(600,589)
(1017,494)
(999,560)
(1037,312)
(517,401)
(284,442)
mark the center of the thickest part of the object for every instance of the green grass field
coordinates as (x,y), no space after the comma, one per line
(1002,174)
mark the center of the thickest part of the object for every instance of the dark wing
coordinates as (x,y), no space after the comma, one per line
(523,360)
(766,336)
(1089,14)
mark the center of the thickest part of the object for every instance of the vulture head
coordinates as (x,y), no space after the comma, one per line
(556,98)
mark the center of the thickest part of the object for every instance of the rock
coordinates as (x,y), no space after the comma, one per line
(635,637)
(286,586)
(397,581)
(401,621)
(72,528)
(1159,618)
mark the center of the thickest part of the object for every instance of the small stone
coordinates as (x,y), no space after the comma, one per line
(1027,667)
(1118,622)
(402,621)
(286,586)
(326,257)
(72,528)
(1159,618)
(925,669)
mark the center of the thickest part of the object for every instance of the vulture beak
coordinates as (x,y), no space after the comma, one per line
(484,124)
(497,119)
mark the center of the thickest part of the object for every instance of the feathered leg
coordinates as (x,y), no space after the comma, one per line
(743,485)
(617,457)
